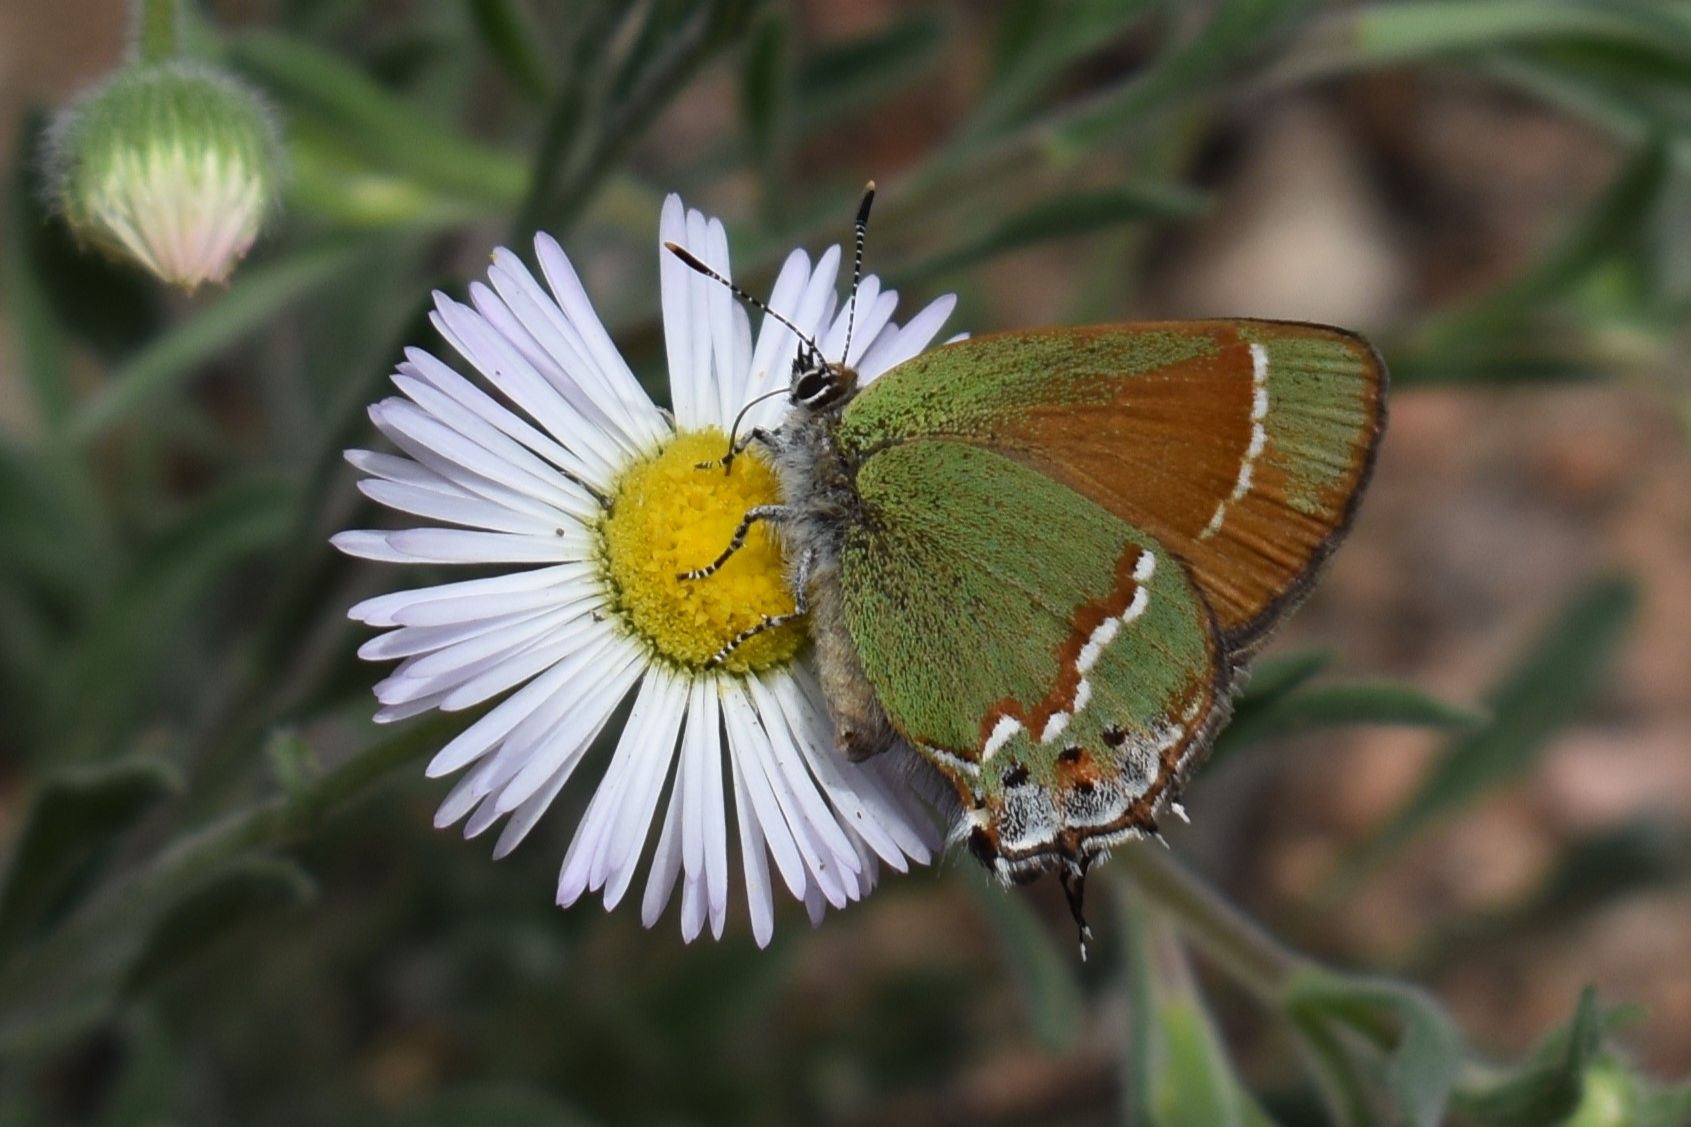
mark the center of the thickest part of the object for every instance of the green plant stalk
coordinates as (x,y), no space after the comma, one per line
(1238,944)
(158,30)
(82,949)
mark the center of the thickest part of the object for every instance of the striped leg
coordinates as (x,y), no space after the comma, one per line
(801,607)
(738,540)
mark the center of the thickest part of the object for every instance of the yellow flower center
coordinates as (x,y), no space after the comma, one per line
(667,517)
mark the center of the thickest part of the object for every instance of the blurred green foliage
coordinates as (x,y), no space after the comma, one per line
(189,931)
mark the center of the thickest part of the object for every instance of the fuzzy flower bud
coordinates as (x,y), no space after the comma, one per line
(173,165)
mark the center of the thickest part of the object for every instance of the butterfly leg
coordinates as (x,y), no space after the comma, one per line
(1073,878)
(801,607)
(738,540)
(740,446)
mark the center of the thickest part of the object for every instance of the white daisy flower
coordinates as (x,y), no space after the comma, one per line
(566,469)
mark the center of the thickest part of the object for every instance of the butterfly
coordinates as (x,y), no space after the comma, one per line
(1041,559)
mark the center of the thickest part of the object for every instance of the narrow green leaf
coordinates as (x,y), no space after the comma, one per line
(1539,696)
(1075,213)
(1550,1084)
(1421,1046)
(765,99)
(39,339)
(118,663)
(1037,43)
(848,76)
(508,34)
(1614,222)
(314,82)
(1347,704)
(1408,30)
(1271,679)
(1044,972)
(73,821)
(241,892)
(1235,32)
(1369,702)
(1177,1072)
(251,301)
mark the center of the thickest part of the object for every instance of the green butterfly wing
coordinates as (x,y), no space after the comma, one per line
(1241,446)
(1057,663)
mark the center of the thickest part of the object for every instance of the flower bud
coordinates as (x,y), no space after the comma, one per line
(173,165)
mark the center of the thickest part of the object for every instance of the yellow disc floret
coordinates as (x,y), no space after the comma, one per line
(667,517)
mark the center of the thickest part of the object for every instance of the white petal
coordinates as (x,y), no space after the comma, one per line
(454,399)
(457,545)
(471,512)
(463,596)
(489,456)
(687,384)
(504,367)
(796,782)
(894,349)
(759,894)
(666,864)
(523,315)
(749,748)
(651,767)
(408,641)
(557,733)
(578,311)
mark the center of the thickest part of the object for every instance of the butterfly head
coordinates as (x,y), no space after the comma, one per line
(819,384)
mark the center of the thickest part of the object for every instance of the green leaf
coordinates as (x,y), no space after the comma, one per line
(314,83)
(1036,43)
(242,892)
(1074,213)
(1541,695)
(1270,680)
(765,98)
(846,77)
(1368,702)
(1420,1046)
(1298,708)
(74,820)
(1393,33)
(1550,1084)
(1176,1071)
(119,662)
(252,301)
(1236,31)
(1043,971)
(1614,222)
(508,34)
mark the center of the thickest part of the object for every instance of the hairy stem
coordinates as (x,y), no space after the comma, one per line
(1248,954)
(158,30)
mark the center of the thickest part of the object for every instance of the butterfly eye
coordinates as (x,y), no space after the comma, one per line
(809,386)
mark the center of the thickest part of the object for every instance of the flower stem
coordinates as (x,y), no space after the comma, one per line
(1257,960)
(158,31)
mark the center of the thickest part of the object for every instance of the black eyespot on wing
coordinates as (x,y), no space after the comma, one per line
(1115,737)
(1073,753)
(1015,775)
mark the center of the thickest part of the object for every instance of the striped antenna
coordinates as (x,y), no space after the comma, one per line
(688,257)
(862,232)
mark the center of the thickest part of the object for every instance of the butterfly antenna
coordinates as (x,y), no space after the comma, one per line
(727,460)
(691,260)
(861,230)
